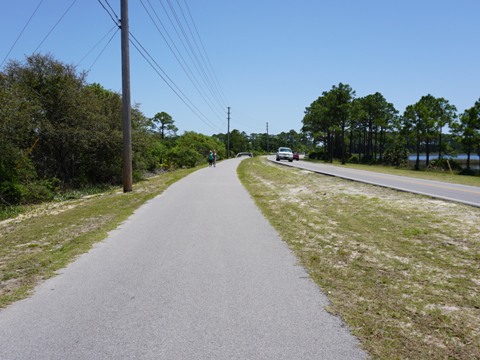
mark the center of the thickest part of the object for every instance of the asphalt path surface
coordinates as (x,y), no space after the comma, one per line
(196,273)
(469,195)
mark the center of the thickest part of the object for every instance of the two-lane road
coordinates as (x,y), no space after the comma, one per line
(469,195)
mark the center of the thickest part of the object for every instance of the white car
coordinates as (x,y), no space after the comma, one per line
(284,153)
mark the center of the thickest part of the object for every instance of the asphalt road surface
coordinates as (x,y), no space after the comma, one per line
(469,195)
(196,273)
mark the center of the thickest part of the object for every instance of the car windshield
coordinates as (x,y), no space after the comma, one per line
(285,150)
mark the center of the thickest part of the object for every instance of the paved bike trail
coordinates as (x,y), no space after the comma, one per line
(195,273)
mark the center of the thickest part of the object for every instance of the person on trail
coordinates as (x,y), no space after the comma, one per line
(214,161)
(210,158)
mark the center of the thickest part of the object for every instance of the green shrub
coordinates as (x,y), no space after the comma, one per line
(367,159)
(318,155)
(9,211)
(396,155)
(11,193)
(137,175)
(353,159)
(469,172)
(37,192)
(183,157)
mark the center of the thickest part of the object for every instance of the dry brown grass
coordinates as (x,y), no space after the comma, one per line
(401,269)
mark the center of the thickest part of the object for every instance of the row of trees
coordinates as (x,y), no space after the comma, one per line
(263,143)
(371,129)
(338,125)
(58,131)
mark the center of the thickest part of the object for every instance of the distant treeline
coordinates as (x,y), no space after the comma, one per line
(58,132)
(370,130)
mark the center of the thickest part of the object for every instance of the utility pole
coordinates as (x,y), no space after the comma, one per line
(267,139)
(228,134)
(126,106)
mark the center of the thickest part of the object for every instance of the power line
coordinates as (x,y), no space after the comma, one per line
(197,61)
(202,63)
(111,12)
(181,60)
(178,55)
(170,83)
(21,32)
(256,128)
(101,52)
(187,46)
(216,82)
(54,26)
(98,43)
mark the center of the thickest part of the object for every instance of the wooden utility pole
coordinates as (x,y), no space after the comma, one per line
(126,106)
(228,134)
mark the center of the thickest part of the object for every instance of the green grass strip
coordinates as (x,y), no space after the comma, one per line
(402,270)
(44,239)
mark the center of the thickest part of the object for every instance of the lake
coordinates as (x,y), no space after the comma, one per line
(461,158)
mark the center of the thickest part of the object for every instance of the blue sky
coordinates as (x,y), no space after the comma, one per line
(266,59)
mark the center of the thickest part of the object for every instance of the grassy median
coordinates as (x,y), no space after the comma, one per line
(402,270)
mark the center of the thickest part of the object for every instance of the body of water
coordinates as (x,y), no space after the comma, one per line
(460,158)
(423,157)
